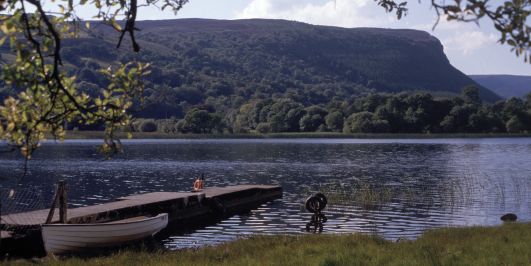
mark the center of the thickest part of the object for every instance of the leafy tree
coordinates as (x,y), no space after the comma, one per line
(148,125)
(449,124)
(263,128)
(371,102)
(188,94)
(313,118)
(282,114)
(471,95)
(168,126)
(50,96)
(310,123)
(182,126)
(458,118)
(393,111)
(483,121)
(513,107)
(439,110)
(201,121)
(364,122)
(161,103)
(277,123)
(293,117)
(514,125)
(245,119)
(316,110)
(334,121)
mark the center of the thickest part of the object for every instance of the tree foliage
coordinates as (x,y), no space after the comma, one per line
(406,112)
(49,96)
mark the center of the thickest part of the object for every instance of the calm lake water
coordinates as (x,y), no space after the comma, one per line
(427,183)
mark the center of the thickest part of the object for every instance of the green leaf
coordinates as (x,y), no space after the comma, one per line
(115,25)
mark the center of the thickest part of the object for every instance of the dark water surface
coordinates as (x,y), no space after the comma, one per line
(428,183)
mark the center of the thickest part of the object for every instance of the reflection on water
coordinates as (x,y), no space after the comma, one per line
(316,223)
(430,182)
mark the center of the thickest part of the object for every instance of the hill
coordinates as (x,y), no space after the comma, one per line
(281,76)
(264,57)
(506,86)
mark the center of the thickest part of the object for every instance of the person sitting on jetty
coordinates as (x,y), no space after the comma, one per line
(198,183)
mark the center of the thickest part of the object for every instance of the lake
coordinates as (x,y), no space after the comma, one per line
(396,188)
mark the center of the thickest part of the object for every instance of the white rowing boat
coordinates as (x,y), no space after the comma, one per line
(64,238)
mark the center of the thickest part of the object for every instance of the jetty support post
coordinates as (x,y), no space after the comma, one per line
(59,198)
(63,202)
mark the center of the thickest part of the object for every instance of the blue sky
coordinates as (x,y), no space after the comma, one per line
(471,48)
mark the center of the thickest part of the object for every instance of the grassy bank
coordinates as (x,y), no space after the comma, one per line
(160,135)
(504,245)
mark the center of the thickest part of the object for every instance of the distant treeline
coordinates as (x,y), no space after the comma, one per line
(373,113)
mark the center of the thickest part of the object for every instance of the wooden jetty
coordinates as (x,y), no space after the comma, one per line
(181,206)
(21,232)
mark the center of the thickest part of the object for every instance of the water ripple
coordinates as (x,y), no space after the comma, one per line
(427,183)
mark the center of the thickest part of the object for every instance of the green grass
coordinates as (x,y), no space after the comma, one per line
(509,244)
(161,135)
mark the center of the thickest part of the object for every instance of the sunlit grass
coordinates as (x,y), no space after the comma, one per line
(504,245)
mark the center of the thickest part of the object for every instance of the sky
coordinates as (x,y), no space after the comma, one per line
(472,48)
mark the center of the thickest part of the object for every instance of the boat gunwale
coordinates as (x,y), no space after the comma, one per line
(118,222)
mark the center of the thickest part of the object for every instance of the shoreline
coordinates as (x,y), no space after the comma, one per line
(506,244)
(296,135)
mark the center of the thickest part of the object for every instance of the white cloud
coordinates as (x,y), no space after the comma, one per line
(443,24)
(466,42)
(343,13)
(459,38)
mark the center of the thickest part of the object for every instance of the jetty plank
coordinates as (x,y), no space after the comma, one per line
(211,192)
(159,196)
(178,204)
(5,235)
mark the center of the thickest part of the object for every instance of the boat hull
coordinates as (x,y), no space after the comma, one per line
(66,238)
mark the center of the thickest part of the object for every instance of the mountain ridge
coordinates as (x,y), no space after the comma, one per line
(389,60)
(227,63)
(505,85)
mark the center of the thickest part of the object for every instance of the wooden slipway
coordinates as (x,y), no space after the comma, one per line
(181,206)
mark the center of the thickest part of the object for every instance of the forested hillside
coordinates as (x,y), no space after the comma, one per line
(257,58)
(272,75)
